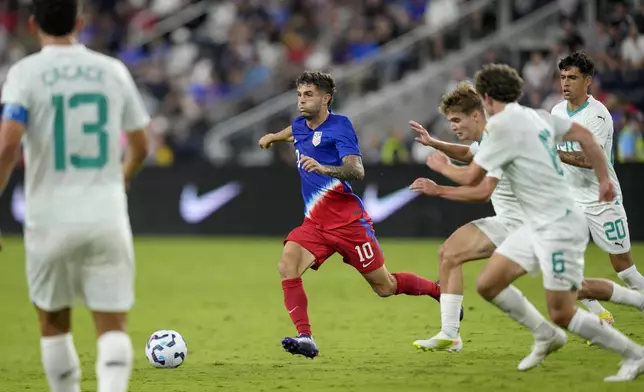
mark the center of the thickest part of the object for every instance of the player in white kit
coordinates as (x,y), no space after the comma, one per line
(521,142)
(606,220)
(475,240)
(478,239)
(69,105)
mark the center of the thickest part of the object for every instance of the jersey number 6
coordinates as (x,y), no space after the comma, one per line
(97,128)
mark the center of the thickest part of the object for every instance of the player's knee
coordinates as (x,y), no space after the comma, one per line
(448,257)
(286,269)
(561,316)
(486,288)
(288,265)
(54,323)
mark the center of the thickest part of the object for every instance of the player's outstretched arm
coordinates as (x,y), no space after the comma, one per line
(11,133)
(285,135)
(471,174)
(137,151)
(455,151)
(350,170)
(480,193)
(595,156)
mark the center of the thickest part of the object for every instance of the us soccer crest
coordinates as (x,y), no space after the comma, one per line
(317,138)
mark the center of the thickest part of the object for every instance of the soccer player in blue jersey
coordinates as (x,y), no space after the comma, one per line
(328,158)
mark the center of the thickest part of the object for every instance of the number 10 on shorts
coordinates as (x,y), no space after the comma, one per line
(365,251)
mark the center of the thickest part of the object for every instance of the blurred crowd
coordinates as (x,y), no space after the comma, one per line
(615,42)
(230,55)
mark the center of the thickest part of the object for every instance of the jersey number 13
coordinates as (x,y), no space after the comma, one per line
(96,129)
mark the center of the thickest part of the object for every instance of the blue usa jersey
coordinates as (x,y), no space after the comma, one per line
(328,202)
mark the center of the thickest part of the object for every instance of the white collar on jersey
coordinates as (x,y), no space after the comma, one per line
(62,48)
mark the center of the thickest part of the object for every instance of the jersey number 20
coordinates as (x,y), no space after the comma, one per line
(95,129)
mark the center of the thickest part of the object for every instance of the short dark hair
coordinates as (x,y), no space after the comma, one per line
(579,59)
(56,17)
(323,81)
(463,99)
(499,82)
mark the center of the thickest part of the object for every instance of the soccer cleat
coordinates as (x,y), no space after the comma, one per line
(608,318)
(440,342)
(629,370)
(301,345)
(542,348)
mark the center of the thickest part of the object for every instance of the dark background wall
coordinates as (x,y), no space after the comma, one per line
(267,202)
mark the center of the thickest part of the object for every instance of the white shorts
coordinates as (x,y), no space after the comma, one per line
(95,265)
(609,228)
(556,250)
(497,228)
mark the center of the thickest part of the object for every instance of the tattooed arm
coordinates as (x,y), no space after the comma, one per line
(601,129)
(350,170)
(575,158)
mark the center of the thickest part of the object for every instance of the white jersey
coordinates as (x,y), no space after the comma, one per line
(78,102)
(521,142)
(583,182)
(504,202)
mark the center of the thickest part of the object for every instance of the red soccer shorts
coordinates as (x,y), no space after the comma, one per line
(356,242)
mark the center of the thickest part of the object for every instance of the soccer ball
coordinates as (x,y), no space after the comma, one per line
(166,349)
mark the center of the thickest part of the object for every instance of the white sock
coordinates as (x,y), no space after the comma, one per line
(114,364)
(622,295)
(633,279)
(512,302)
(61,364)
(451,314)
(590,327)
(594,306)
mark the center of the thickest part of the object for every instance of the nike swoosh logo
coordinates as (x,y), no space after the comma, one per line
(365,265)
(380,209)
(292,310)
(194,208)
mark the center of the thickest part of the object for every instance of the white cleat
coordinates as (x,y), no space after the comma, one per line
(629,370)
(440,342)
(542,348)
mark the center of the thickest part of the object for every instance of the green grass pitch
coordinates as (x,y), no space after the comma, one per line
(224,296)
